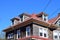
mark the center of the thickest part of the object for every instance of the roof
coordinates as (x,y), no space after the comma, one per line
(25,14)
(41,13)
(53,20)
(33,15)
(33,19)
(29,22)
(17,18)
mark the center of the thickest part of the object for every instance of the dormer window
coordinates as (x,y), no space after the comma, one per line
(15,20)
(45,18)
(23,17)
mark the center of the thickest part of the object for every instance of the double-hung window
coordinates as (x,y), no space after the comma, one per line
(56,35)
(40,32)
(18,34)
(43,32)
(27,31)
(10,36)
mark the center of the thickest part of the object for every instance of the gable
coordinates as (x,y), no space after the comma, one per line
(55,21)
(58,22)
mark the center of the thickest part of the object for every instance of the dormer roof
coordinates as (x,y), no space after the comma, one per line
(42,13)
(15,18)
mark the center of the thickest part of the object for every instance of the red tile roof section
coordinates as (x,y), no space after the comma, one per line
(42,14)
(34,16)
(54,19)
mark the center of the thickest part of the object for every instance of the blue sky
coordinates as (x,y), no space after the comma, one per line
(12,8)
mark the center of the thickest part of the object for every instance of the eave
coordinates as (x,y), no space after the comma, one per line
(52,26)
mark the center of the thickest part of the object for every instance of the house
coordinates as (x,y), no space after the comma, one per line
(33,27)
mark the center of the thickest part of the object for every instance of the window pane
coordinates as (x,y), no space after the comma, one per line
(44,19)
(59,37)
(27,31)
(10,35)
(55,36)
(44,35)
(59,24)
(18,33)
(41,34)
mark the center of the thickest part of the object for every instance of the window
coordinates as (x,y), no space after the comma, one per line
(10,35)
(59,34)
(27,31)
(18,34)
(43,32)
(23,17)
(45,18)
(58,23)
(56,34)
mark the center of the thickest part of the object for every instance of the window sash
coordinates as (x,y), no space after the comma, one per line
(10,35)
(27,31)
(56,33)
(45,35)
(44,32)
(18,34)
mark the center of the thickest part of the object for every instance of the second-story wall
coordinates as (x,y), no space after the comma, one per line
(35,30)
(49,33)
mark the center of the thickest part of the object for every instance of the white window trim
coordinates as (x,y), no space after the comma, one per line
(45,17)
(10,36)
(27,32)
(43,31)
(17,34)
(56,32)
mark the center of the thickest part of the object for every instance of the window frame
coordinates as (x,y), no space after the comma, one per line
(58,23)
(56,33)
(43,31)
(18,34)
(10,35)
(28,31)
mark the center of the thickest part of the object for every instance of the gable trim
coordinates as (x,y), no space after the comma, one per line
(56,20)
